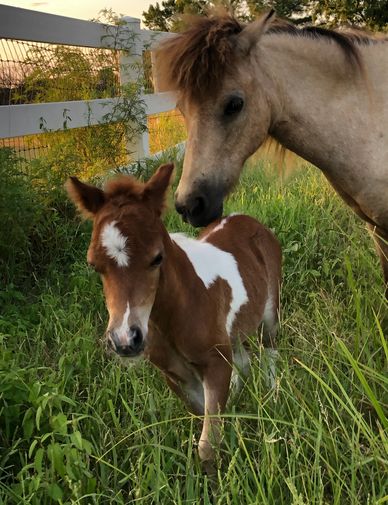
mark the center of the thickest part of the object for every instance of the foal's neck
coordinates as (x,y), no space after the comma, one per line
(178,289)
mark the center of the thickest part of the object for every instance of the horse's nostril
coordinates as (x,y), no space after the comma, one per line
(198,207)
(181,209)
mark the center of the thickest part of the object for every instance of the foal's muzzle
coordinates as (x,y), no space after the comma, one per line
(131,346)
(201,207)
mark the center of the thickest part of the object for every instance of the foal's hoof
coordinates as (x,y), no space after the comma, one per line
(206,455)
(209,468)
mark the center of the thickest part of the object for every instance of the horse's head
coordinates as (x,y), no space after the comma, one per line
(126,249)
(213,68)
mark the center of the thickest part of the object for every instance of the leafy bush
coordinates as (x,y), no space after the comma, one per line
(19,213)
(38,224)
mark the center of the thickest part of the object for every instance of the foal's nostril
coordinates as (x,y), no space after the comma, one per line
(124,350)
(136,338)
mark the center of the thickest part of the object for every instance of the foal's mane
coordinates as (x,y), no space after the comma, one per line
(124,189)
(195,61)
(124,185)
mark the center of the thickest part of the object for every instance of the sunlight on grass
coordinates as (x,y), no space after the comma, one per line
(165,130)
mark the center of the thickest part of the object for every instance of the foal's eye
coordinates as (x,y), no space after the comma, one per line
(93,266)
(233,106)
(157,260)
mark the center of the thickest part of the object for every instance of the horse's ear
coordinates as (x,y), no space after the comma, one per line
(251,34)
(87,198)
(155,189)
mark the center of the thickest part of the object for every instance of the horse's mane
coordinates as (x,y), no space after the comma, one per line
(346,40)
(195,61)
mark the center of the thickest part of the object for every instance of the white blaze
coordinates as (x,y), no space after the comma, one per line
(115,243)
(123,329)
(211,263)
(142,316)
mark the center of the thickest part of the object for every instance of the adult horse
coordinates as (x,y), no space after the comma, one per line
(320,93)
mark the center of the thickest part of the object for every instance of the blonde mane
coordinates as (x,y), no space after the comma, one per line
(196,61)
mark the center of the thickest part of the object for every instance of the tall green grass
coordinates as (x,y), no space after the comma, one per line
(76,426)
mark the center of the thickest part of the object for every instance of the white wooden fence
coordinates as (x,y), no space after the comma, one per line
(27,25)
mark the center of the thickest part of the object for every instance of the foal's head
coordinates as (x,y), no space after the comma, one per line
(126,249)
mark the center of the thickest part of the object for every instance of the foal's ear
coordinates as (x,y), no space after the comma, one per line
(251,34)
(87,198)
(155,189)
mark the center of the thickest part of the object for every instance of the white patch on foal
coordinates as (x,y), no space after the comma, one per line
(269,317)
(211,263)
(141,314)
(219,226)
(123,329)
(114,243)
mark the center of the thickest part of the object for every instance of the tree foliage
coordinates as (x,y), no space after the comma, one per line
(163,16)
(299,9)
(371,14)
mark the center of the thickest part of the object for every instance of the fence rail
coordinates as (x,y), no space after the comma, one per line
(27,25)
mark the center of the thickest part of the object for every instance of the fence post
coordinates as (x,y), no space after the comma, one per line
(131,70)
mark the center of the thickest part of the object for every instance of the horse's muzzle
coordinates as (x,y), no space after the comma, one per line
(200,208)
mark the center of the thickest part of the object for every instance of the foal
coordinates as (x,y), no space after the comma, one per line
(186,304)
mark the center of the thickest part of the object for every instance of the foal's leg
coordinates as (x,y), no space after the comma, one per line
(270,327)
(380,238)
(186,385)
(216,380)
(241,365)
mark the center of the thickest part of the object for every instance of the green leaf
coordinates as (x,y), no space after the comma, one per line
(32,447)
(38,460)
(55,492)
(38,416)
(55,454)
(28,426)
(59,424)
(76,438)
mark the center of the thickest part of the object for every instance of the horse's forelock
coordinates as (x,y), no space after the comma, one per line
(194,62)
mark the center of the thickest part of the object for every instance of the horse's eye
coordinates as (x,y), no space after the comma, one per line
(234,106)
(157,260)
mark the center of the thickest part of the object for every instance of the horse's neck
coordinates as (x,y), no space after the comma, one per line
(324,110)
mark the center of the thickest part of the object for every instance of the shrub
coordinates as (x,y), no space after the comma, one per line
(19,212)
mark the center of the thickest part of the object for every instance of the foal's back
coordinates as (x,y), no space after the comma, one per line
(257,253)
